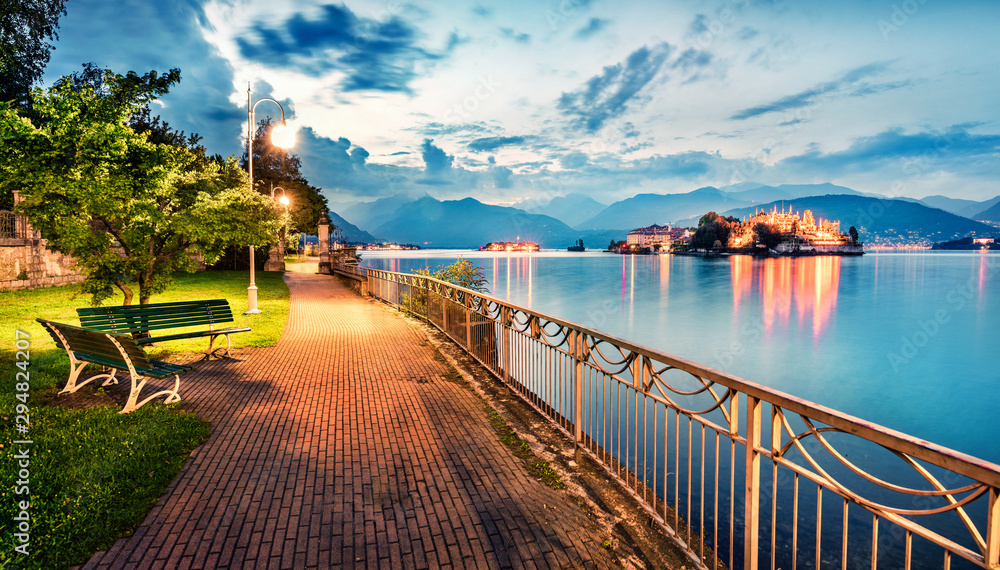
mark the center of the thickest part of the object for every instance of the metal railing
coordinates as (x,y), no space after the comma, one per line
(13,225)
(738,474)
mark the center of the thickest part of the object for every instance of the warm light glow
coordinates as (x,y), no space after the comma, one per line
(282,136)
(283,200)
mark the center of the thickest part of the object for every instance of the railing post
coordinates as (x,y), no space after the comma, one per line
(577,393)
(751,502)
(505,319)
(992,554)
(468,323)
(444,314)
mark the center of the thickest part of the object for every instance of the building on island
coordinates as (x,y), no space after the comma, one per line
(655,237)
(520,246)
(798,234)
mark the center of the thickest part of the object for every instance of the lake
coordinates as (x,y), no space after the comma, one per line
(903,340)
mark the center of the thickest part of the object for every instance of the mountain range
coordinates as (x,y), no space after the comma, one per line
(559,222)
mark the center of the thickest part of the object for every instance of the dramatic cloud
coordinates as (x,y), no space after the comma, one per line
(607,96)
(437,163)
(500,101)
(812,96)
(376,55)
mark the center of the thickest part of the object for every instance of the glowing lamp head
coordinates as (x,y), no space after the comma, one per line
(282,136)
(283,200)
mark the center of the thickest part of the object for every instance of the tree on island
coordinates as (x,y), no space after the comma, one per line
(127,208)
(853,232)
(766,235)
(713,229)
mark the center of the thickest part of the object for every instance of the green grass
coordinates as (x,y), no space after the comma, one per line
(94,474)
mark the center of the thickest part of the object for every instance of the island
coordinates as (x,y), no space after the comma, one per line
(774,233)
(514,246)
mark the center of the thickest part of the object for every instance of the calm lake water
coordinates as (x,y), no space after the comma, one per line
(909,341)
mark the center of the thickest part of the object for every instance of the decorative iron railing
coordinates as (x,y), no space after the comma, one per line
(13,225)
(738,474)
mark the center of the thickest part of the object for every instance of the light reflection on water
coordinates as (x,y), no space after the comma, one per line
(905,340)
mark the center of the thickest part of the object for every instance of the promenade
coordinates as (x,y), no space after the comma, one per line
(348,444)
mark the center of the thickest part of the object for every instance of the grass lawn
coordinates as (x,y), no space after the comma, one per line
(93,474)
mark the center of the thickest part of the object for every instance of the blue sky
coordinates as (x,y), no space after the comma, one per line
(515,100)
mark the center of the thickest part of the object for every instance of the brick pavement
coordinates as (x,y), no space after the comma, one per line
(346,446)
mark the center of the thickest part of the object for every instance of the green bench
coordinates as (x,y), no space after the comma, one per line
(140,319)
(114,352)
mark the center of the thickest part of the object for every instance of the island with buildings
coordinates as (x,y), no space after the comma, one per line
(511,246)
(765,233)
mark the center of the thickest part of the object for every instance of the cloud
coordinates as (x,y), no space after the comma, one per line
(954,150)
(518,37)
(437,162)
(594,26)
(501,174)
(608,95)
(375,55)
(574,160)
(434,129)
(487,144)
(698,25)
(692,59)
(813,95)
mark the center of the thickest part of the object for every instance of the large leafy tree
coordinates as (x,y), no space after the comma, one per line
(26,27)
(275,167)
(129,209)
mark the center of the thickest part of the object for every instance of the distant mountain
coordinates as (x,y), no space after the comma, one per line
(570,209)
(877,220)
(370,215)
(646,209)
(991,214)
(352,233)
(760,193)
(469,223)
(955,206)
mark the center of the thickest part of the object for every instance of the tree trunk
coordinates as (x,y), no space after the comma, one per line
(126,292)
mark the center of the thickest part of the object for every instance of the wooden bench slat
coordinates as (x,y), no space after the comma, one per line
(134,319)
(195,334)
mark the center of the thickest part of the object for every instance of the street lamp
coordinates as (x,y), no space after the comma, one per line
(284,202)
(282,137)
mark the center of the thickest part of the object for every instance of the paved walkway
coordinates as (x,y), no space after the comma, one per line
(344,445)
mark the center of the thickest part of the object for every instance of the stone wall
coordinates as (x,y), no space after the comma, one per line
(28,264)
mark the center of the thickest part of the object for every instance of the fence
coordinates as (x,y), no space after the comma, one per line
(737,473)
(13,225)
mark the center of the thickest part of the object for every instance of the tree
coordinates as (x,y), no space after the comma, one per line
(853,232)
(25,30)
(128,209)
(712,228)
(275,167)
(462,273)
(766,235)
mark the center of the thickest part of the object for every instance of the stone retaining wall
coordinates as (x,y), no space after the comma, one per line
(28,264)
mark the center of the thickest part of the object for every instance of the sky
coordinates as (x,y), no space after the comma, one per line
(528,100)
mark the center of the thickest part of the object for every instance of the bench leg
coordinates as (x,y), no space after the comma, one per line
(211,342)
(77,366)
(133,404)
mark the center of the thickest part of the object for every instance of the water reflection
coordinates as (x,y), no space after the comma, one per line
(809,284)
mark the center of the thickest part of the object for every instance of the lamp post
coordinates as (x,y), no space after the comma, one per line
(279,142)
(277,256)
